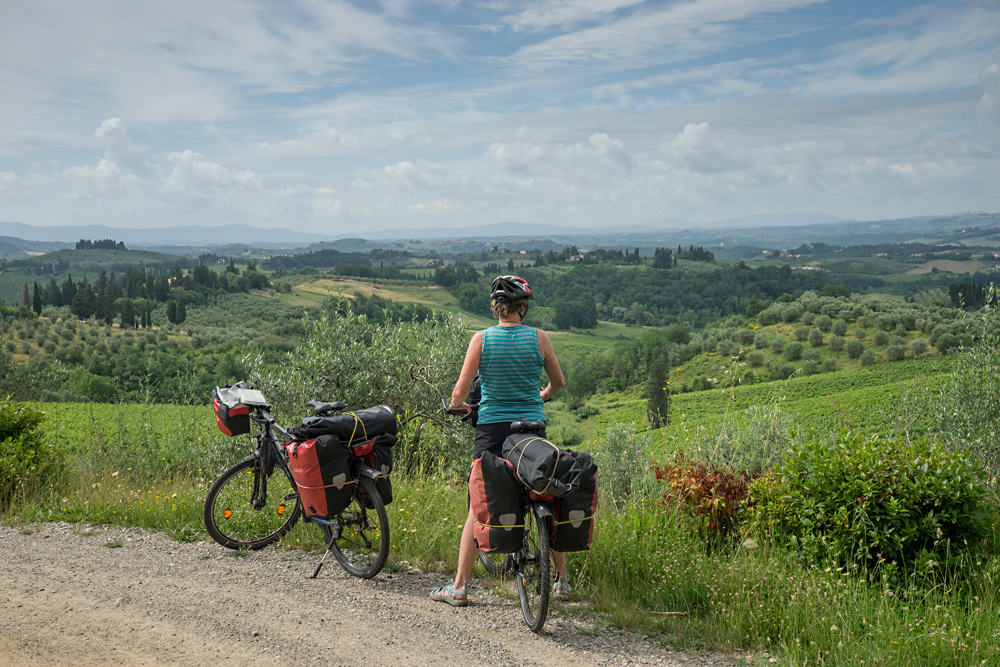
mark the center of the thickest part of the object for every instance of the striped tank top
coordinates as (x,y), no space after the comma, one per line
(510,367)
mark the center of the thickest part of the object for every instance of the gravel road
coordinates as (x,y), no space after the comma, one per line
(71,599)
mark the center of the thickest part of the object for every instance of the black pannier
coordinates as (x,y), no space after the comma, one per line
(322,471)
(541,466)
(349,426)
(497,502)
(380,459)
(573,527)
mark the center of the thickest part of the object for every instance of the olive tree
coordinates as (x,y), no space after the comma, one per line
(365,361)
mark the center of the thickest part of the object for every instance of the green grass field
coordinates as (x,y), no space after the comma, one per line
(864,400)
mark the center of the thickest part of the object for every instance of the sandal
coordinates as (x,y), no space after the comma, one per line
(456,597)
(561,588)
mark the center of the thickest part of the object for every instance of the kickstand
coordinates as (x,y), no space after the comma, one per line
(334,536)
(321,561)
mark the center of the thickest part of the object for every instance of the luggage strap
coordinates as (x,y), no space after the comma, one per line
(327,486)
(581,519)
(503,525)
(356,422)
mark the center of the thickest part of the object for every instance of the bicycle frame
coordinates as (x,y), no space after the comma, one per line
(270,452)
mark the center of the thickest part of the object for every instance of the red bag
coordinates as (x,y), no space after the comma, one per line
(497,504)
(231,419)
(322,472)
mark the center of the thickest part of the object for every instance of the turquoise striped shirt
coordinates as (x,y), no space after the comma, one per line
(510,367)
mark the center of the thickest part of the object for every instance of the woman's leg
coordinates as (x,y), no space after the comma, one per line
(559,561)
(466,553)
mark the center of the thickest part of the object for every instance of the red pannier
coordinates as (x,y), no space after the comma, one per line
(497,502)
(573,526)
(322,472)
(231,419)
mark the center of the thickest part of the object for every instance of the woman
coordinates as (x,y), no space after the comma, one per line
(509,359)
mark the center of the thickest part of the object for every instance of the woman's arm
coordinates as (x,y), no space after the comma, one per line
(552,369)
(469,369)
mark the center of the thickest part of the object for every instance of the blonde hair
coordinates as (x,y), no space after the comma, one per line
(504,308)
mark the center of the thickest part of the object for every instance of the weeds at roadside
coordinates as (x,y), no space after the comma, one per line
(114,544)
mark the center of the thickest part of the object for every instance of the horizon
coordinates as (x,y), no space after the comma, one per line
(336,117)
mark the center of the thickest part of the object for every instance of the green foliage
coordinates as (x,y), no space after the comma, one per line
(622,458)
(967,406)
(754,445)
(365,361)
(26,462)
(876,503)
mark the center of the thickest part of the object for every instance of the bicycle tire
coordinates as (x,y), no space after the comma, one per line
(232,520)
(363,547)
(496,564)
(534,571)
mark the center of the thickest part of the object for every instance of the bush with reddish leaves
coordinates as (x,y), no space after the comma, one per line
(713,495)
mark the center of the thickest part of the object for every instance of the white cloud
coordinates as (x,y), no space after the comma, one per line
(194,176)
(564,13)
(693,149)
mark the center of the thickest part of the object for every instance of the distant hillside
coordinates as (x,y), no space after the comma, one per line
(78,263)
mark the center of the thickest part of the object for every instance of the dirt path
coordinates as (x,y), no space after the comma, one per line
(70,599)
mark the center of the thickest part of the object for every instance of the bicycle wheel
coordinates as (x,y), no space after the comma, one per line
(496,564)
(363,545)
(534,574)
(235,521)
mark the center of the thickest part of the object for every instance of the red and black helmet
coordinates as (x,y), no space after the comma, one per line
(510,288)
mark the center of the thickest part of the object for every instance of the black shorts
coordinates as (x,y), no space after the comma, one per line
(490,438)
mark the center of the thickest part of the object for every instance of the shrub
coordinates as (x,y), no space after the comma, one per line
(824,322)
(812,355)
(25,462)
(801,333)
(836,342)
(755,358)
(860,334)
(809,367)
(778,345)
(784,371)
(815,337)
(966,407)
(793,350)
(881,337)
(623,460)
(839,327)
(897,340)
(760,341)
(919,346)
(713,495)
(887,504)
(829,364)
(868,358)
(895,353)
(855,348)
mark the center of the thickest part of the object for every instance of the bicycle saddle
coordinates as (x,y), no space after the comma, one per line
(320,408)
(526,425)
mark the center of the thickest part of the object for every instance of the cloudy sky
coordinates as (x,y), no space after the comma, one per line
(335,116)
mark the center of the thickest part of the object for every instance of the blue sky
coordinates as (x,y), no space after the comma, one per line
(336,117)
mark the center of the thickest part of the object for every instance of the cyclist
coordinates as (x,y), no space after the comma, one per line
(508,358)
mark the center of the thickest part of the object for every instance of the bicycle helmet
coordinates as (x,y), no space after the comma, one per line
(510,288)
